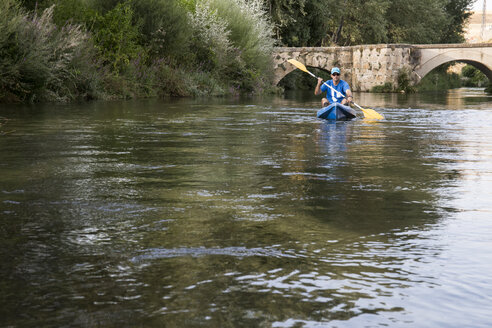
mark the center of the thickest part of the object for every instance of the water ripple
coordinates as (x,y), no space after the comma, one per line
(163,253)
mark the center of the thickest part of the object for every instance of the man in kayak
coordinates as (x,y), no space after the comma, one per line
(343,96)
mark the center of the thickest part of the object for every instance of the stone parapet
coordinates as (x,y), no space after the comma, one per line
(366,66)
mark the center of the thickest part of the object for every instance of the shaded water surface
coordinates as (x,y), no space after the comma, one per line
(247,213)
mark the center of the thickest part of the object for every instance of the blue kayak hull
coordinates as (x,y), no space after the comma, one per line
(336,112)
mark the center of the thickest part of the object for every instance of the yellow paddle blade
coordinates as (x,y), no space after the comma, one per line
(301,66)
(298,64)
(371,114)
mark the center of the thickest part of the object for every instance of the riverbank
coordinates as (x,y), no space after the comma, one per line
(64,51)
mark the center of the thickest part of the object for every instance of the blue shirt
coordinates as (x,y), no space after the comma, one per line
(333,96)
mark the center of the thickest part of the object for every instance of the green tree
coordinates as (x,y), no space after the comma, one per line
(308,23)
(458,13)
(350,22)
(364,22)
(473,77)
(417,21)
(164,27)
(115,36)
(285,14)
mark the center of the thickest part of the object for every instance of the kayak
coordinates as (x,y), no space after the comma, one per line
(337,112)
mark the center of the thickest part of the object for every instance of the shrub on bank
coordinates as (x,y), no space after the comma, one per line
(42,62)
(473,77)
(438,81)
(251,37)
(383,88)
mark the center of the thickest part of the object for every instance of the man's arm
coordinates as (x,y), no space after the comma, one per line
(317,91)
(348,96)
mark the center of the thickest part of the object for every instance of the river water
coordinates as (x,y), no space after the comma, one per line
(247,213)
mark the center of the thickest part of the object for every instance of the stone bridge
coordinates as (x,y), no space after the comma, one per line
(367,66)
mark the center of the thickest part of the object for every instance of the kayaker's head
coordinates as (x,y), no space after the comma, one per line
(335,74)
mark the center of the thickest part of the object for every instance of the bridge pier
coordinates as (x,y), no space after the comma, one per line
(367,66)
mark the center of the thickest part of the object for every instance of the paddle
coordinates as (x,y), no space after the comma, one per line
(368,113)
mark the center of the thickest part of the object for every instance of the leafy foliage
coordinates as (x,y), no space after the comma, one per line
(351,22)
(472,77)
(304,23)
(384,88)
(73,11)
(404,84)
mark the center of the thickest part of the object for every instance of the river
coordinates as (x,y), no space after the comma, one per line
(247,212)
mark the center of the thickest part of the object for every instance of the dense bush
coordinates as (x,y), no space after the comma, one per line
(41,62)
(383,88)
(210,39)
(404,81)
(73,11)
(251,38)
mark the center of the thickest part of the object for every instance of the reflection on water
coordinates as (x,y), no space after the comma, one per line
(455,99)
(247,212)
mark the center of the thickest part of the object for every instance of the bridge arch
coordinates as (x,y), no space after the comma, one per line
(323,58)
(281,72)
(432,58)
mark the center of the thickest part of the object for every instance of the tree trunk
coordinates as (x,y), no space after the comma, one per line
(337,35)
